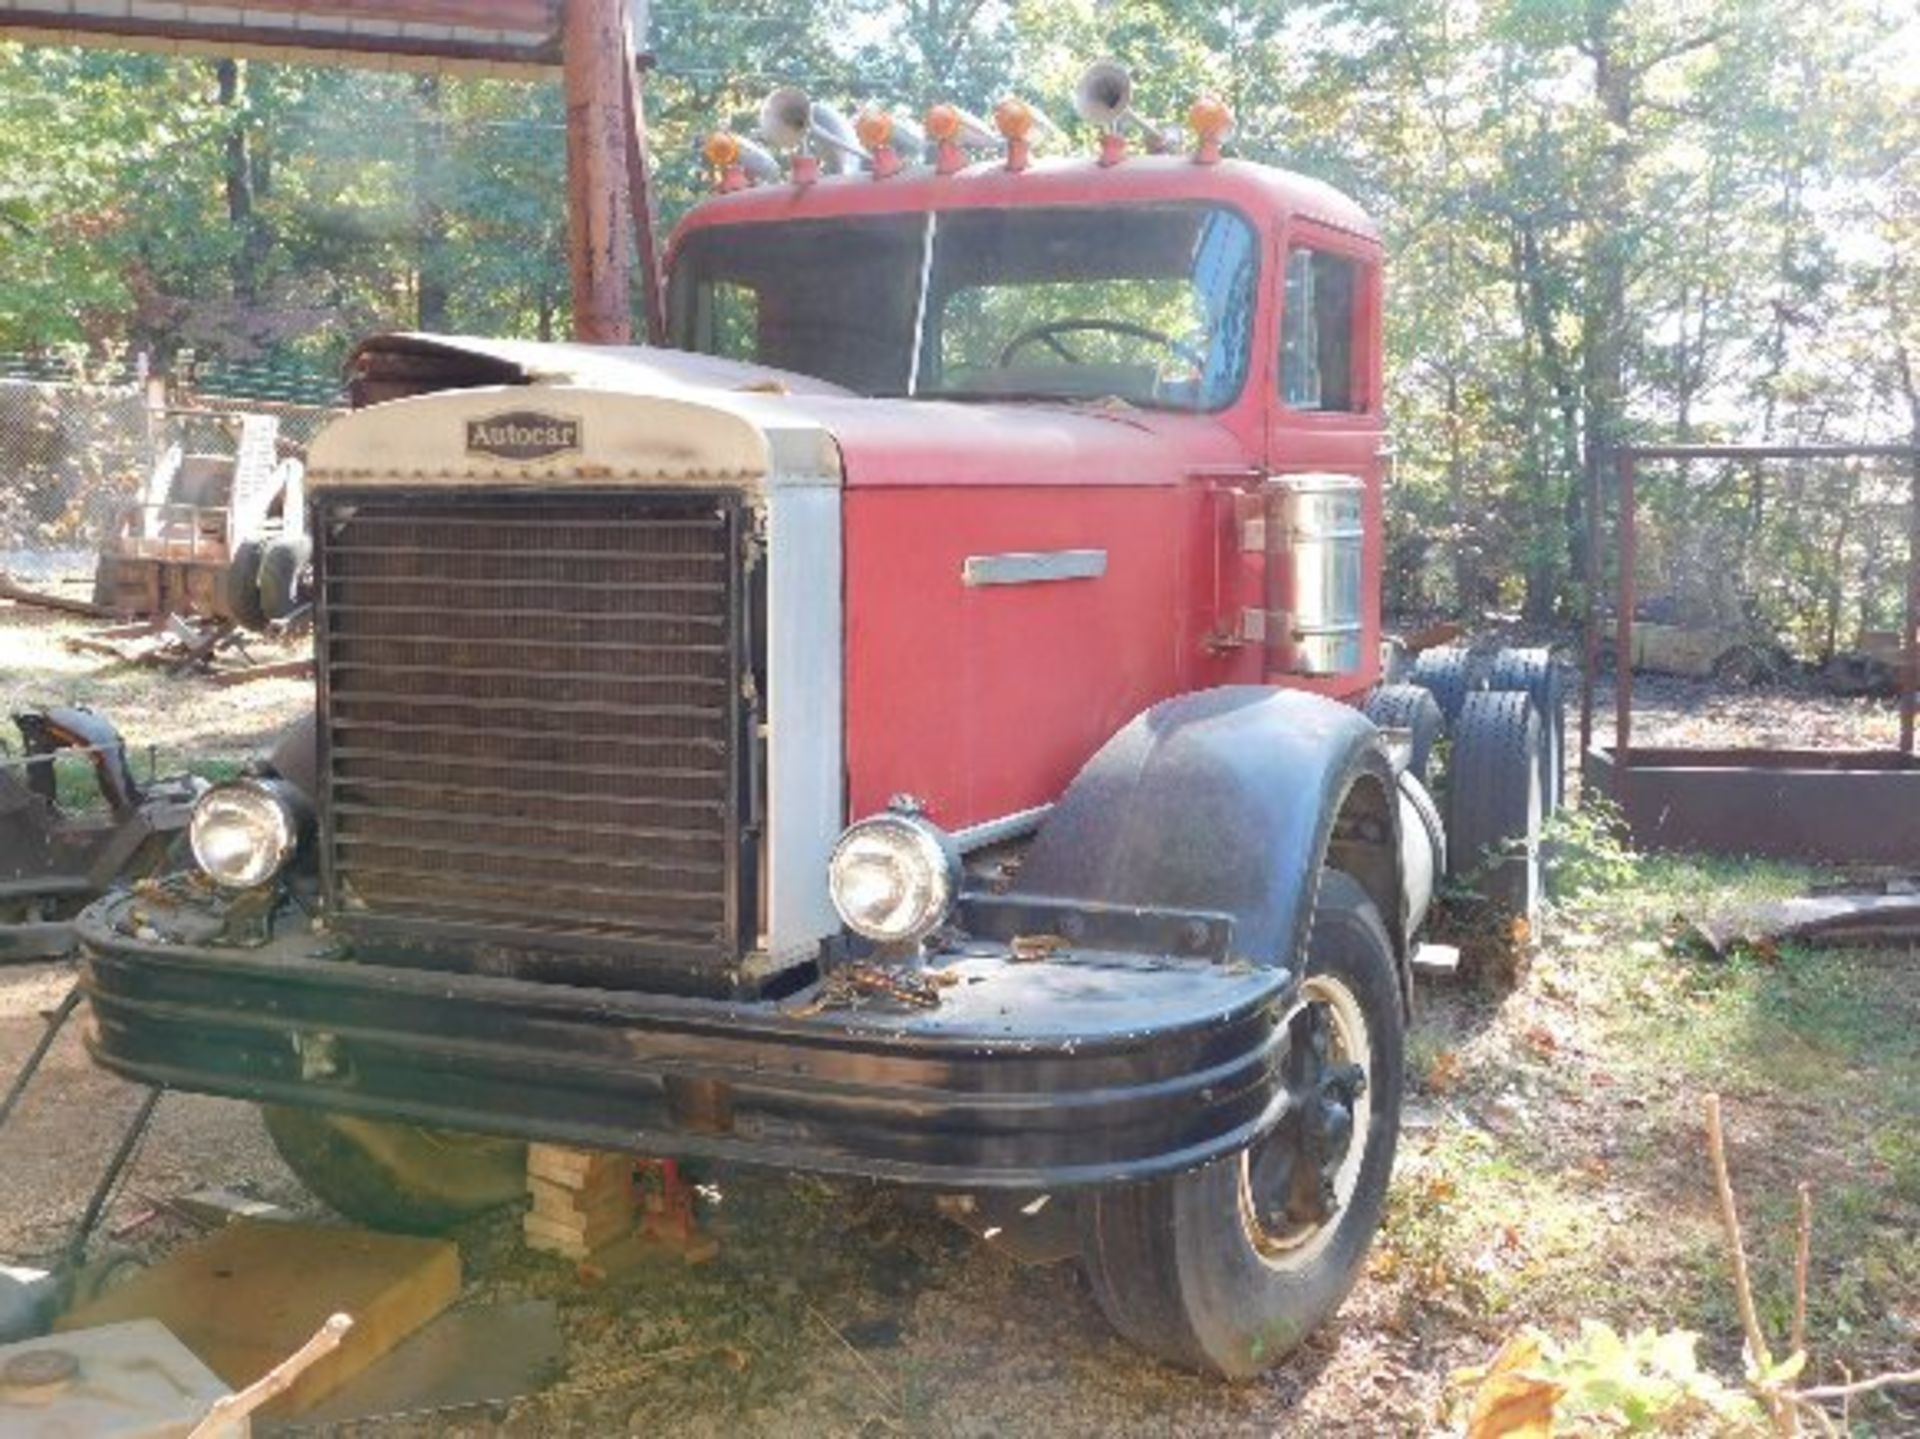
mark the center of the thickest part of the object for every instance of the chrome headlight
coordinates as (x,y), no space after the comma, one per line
(244,832)
(894,877)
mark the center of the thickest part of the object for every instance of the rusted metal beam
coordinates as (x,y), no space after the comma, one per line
(1626,460)
(1629,521)
(598,82)
(1910,619)
(646,223)
(1590,641)
(492,37)
(319,17)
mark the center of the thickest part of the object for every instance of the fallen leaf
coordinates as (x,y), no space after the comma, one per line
(1510,1403)
(1444,1073)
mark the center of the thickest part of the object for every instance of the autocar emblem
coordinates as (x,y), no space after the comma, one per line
(523,435)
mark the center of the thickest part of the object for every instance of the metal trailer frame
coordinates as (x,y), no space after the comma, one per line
(1827,806)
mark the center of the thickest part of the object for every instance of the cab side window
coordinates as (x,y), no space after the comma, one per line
(1317,332)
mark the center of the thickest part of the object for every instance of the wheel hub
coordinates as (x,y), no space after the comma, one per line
(1294,1174)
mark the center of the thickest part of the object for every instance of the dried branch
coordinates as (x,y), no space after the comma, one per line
(1825,1392)
(1802,1257)
(1759,1357)
(227,1413)
(887,1392)
(1730,1221)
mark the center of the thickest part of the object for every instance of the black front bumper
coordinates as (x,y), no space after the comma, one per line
(1091,1068)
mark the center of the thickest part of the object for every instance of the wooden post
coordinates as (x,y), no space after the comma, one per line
(593,37)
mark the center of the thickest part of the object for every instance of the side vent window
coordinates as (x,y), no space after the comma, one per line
(1318,354)
(728,322)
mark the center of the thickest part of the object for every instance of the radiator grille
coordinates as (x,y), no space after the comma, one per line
(531,725)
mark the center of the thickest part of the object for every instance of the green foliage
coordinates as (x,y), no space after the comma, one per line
(1588,853)
(1604,220)
(1647,1382)
(1644,1383)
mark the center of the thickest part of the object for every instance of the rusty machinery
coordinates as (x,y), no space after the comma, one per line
(218,531)
(55,856)
(1820,804)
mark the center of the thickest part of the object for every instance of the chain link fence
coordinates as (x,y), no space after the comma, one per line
(74,450)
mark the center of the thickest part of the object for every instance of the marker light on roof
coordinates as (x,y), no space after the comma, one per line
(722,151)
(875,130)
(1212,122)
(1014,118)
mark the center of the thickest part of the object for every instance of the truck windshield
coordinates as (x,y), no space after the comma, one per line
(1153,305)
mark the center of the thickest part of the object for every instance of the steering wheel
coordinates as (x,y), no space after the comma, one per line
(1048,333)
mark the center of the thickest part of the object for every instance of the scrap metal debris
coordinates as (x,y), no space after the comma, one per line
(1029,948)
(1888,916)
(188,644)
(854,986)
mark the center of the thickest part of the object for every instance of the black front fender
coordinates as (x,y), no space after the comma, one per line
(1227,801)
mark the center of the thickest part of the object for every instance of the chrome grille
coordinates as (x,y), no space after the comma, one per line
(531,717)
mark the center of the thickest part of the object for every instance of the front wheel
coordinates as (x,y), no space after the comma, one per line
(1227,1268)
(397,1176)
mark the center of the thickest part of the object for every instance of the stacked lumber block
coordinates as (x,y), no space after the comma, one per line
(582,1199)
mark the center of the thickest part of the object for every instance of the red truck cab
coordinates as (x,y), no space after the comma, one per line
(910,727)
(1144,439)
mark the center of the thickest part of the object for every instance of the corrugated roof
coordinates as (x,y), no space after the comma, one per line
(492,37)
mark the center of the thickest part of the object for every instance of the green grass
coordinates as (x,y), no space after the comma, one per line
(1600,1205)
(77,791)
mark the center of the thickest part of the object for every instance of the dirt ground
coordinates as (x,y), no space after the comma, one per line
(1551,1170)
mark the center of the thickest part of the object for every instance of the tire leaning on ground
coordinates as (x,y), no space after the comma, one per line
(1533,673)
(240,586)
(280,577)
(1414,709)
(1217,1270)
(1494,801)
(397,1176)
(1447,675)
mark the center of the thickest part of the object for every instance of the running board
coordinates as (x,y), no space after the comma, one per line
(1435,961)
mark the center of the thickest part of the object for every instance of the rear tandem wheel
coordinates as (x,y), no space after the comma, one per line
(1495,802)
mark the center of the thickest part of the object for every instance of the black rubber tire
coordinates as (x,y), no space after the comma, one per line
(397,1176)
(1447,675)
(1173,1263)
(1410,707)
(295,756)
(1533,673)
(1494,802)
(240,592)
(281,581)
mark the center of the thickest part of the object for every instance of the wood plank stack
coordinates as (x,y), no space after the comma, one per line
(582,1199)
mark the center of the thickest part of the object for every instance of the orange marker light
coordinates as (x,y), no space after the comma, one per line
(1014,118)
(874,127)
(1212,122)
(942,124)
(722,151)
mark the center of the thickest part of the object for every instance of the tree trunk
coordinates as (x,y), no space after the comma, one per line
(241,174)
(1604,317)
(431,288)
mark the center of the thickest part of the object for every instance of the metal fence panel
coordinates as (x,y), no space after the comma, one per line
(72,454)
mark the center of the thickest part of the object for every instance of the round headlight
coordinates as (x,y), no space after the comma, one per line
(894,877)
(243,833)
